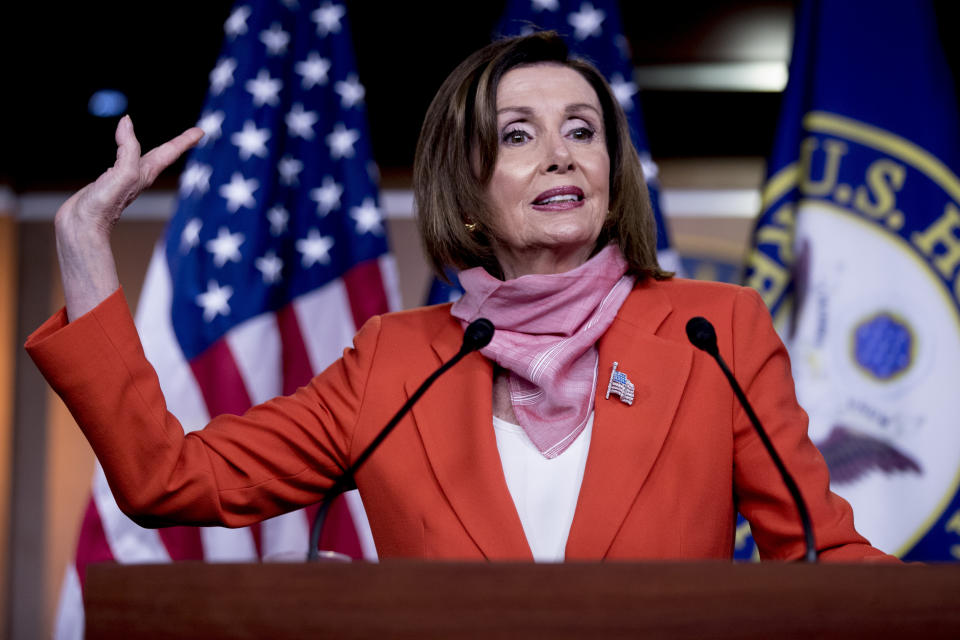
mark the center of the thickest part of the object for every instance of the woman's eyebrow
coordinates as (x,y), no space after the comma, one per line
(576,107)
(582,106)
(527,111)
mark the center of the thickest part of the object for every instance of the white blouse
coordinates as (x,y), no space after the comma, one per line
(544,491)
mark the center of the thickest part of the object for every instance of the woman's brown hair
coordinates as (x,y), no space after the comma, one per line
(457,151)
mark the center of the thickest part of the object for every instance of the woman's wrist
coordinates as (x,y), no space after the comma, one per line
(87,266)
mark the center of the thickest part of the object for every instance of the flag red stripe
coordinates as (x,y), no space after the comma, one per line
(296,362)
(221,385)
(92,545)
(220,381)
(365,291)
(368,297)
(339,533)
(182,543)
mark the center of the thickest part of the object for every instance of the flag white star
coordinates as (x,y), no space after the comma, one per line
(278,218)
(195,179)
(289,169)
(214,300)
(341,141)
(270,266)
(350,90)
(264,89)
(300,123)
(314,248)
(190,236)
(314,70)
(222,75)
(327,196)
(587,21)
(275,39)
(236,24)
(623,90)
(251,141)
(225,247)
(210,122)
(650,169)
(540,5)
(327,18)
(367,217)
(239,192)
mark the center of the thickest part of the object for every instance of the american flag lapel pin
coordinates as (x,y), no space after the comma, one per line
(620,385)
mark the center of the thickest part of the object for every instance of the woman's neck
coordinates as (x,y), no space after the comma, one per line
(502,406)
(540,262)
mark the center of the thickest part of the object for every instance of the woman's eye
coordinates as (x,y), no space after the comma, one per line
(516,136)
(582,133)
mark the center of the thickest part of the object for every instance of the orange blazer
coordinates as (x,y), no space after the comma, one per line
(664,477)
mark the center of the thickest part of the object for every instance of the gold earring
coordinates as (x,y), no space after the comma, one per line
(470,226)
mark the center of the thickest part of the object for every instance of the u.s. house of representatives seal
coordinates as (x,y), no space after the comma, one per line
(868,241)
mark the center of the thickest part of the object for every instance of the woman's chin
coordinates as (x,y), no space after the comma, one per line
(556,257)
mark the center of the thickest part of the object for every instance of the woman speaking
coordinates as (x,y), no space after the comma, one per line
(589,428)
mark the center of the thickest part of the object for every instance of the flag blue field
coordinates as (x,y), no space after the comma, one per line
(275,256)
(857,254)
(594,32)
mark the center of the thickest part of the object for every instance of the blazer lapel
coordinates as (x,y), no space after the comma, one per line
(627,439)
(455,421)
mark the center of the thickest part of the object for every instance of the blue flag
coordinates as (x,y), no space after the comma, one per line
(441,292)
(593,31)
(857,254)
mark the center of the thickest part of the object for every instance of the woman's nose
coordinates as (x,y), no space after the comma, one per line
(559,159)
(560,168)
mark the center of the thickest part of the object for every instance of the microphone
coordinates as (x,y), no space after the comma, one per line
(476,336)
(703,336)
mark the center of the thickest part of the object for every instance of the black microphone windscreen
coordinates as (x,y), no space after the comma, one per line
(702,334)
(477,335)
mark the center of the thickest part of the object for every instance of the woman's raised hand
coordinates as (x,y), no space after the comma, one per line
(83,223)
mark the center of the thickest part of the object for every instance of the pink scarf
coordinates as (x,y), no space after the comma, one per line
(547,327)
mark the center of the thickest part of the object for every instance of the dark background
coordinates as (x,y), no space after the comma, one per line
(159,54)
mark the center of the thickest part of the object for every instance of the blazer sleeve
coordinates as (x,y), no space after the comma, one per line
(277,457)
(762,366)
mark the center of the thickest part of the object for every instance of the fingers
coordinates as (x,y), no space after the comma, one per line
(99,205)
(117,186)
(154,162)
(128,147)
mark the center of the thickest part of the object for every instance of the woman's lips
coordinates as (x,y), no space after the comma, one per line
(559,199)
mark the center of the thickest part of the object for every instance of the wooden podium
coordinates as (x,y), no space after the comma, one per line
(400,599)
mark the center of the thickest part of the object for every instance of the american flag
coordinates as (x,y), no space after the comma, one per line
(620,385)
(276,254)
